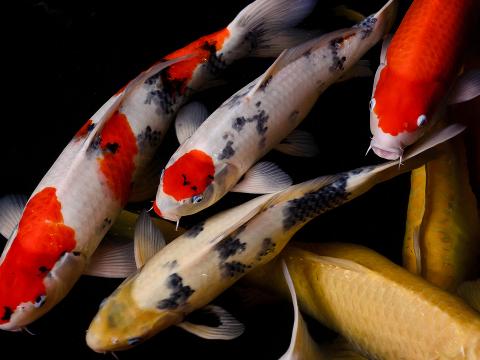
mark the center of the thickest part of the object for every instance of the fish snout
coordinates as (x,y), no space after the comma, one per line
(166,210)
(388,154)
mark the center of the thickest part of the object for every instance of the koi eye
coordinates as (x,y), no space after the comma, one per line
(197,198)
(372,104)
(422,120)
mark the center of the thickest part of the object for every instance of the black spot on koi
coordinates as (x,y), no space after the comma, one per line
(268,246)
(195,230)
(234,268)
(315,203)
(227,151)
(179,294)
(229,247)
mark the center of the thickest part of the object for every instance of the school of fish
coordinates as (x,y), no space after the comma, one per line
(74,222)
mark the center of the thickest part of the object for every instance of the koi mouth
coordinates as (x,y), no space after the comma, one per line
(163,215)
(386,153)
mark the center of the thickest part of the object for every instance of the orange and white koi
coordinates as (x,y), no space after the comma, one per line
(416,72)
(256,118)
(192,270)
(84,191)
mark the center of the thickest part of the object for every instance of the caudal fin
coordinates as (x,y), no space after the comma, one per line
(265,26)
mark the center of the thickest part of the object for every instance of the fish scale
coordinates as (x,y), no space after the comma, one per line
(384,310)
(426,45)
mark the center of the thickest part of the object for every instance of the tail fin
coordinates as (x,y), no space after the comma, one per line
(265,25)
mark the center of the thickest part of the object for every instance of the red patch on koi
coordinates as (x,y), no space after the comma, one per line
(189,175)
(398,113)
(41,239)
(84,129)
(119,147)
(200,48)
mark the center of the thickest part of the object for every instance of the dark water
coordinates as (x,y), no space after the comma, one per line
(65,59)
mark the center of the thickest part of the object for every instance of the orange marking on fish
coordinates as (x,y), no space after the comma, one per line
(397,113)
(41,239)
(189,175)
(200,48)
(84,129)
(119,147)
(422,61)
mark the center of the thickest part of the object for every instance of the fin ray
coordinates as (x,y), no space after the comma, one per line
(263,178)
(229,328)
(11,209)
(148,239)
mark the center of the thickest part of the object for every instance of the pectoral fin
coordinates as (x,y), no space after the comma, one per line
(298,143)
(263,178)
(466,87)
(189,119)
(222,325)
(11,209)
(112,259)
(148,239)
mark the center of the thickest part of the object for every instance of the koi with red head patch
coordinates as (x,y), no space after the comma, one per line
(261,116)
(416,73)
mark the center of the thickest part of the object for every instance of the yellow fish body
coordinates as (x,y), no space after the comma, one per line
(387,312)
(442,238)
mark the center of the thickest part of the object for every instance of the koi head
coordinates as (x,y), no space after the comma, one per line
(400,113)
(187,186)
(121,323)
(38,266)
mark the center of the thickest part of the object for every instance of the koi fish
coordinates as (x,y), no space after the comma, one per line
(103,165)
(382,309)
(191,271)
(250,123)
(416,72)
(302,345)
(442,236)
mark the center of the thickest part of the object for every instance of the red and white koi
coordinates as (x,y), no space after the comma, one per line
(256,118)
(76,202)
(417,69)
(191,271)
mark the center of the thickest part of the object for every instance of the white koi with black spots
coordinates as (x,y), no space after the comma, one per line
(192,270)
(256,118)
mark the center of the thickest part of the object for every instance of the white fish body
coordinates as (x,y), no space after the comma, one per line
(255,119)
